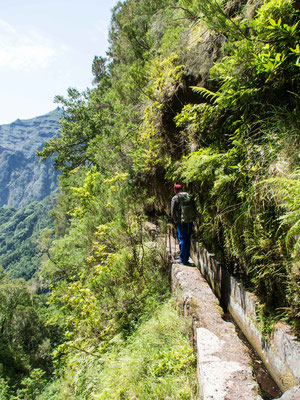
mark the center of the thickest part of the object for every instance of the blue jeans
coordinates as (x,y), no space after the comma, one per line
(184,238)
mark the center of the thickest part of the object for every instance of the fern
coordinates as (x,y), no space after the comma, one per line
(207,94)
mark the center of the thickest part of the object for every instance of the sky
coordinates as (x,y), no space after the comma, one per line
(47,46)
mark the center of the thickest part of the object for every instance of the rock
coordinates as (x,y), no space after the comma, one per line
(23,178)
(291,394)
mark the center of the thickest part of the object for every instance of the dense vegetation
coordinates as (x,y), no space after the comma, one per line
(24,234)
(203,92)
(26,342)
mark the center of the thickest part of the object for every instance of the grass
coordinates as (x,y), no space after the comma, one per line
(157,362)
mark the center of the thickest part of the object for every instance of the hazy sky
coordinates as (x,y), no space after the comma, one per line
(47,46)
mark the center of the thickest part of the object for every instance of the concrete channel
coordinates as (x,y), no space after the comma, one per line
(229,366)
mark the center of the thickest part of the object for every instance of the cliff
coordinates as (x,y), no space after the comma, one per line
(23,178)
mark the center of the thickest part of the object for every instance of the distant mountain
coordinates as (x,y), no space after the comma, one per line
(23,178)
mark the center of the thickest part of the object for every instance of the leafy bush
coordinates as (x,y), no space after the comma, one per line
(156,362)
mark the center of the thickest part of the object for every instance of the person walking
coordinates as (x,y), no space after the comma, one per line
(183,213)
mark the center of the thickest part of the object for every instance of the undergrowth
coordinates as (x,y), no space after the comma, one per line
(156,362)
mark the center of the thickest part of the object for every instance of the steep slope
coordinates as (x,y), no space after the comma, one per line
(21,233)
(23,178)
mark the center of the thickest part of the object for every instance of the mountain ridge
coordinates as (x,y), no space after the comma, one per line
(23,178)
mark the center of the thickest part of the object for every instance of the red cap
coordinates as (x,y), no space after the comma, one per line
(177,187)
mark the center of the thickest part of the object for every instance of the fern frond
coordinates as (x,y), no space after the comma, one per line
(207,94)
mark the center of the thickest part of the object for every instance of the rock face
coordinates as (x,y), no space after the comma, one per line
(23,178)
(292,394)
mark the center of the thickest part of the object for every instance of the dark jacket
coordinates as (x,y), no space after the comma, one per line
(176,208)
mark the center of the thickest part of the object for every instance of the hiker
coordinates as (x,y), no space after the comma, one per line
(183,212)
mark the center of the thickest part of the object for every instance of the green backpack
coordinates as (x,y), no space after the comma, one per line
(187,206)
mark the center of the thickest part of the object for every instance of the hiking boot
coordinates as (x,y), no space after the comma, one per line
(188,264)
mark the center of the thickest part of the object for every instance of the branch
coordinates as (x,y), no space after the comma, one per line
(84,351)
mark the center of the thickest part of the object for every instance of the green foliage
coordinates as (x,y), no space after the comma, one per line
(157,362)
(143,122)
(99,70)
(20,230)
(109,277)
(76,131)
(245,174)
(130,23)
(111,280)
(25,341)
(214,14)
(229,131)
(32,386)
(286,190)
(4,389)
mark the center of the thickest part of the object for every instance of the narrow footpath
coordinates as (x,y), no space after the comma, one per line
(225,367)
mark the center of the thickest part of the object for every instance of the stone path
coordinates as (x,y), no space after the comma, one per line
(224,365)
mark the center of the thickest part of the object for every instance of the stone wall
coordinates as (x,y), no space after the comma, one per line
(224,365)
(281,354)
